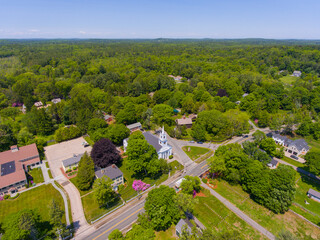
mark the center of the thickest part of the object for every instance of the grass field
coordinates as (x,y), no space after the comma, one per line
(288,79)
(74,181)
(50,174)
(169,234)
(271,221)
(293,162)
(36,199)
(195,152)
(37,175)
(91,207)
(310,211)
(216,216)
(47,164)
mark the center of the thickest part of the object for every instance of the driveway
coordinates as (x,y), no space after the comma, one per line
(61,151)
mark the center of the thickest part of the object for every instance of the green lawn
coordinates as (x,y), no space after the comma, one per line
(288,79)
(50,174)
(169,234)
(74,181)
(216,216)
(293,162)
(47,164)
(271,221)
(303,185)
(92,210)
(36,174)
(36,199)
(195,152)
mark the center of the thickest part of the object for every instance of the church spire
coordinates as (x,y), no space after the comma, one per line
(163,137)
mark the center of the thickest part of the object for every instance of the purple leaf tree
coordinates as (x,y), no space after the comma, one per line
(139,186)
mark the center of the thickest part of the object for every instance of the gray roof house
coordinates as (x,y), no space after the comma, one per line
(273,164)
(134,126)
(313,194)
(70,162)
(181,223)
(113,172)
(298,146)
(296,74)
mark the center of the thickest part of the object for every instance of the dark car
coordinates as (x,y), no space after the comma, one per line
(245,136)
(294,157)
(200,142)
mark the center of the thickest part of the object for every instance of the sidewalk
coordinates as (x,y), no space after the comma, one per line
(240,214)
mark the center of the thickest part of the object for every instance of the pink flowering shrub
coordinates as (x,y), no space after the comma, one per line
(138,185)
(1,198)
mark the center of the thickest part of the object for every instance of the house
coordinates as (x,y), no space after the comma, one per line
(14,166)
(178,183)
(193,116)
(112,172)
(296,147)
(184,121)
(108,118)
(273,164)
(163,149)
(314,195)
(177,78)
(70,163)
(296,74)
(134,127)
(245,94)
(181,224)
(56,100)
(38,104)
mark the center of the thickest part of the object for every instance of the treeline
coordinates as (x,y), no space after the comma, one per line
(129,79)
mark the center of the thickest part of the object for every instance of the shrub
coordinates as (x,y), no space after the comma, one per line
(171,156)
(69,170)
(66,133)
(121,187)
(1,198)
(74,168)
(6,196)
(26,185)
(204,180)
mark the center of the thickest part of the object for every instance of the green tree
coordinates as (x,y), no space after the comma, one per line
(55,212)
(313,162)
(189,184)
(103,191)
(139,233)
(117,132)
(96,123)
(198,132)
(116,235)
(85,175)
(185,202)
(21,225)
(6,137)
(269,145)
(258,136)
(161,208)
(162,114)
(142,157)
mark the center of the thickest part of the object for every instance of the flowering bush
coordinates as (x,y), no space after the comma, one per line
(138,185)
(1,198)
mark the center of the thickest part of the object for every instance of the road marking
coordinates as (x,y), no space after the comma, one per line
(204,165)
(117,224)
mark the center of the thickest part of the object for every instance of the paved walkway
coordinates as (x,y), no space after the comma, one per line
(45,172)
(241,214)
(65,202)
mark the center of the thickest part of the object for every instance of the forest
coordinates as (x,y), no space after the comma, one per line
(225,82)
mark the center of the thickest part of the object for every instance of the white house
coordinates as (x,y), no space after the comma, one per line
(114,173)
(296,147)
(296,74)
(160,143)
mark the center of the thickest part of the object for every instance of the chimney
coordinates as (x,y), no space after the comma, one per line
(14,148)
(114,166)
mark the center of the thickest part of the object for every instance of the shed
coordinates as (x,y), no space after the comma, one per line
(134,126)
(181,223)
(313,194)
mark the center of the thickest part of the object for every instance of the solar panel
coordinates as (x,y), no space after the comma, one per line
(7,168)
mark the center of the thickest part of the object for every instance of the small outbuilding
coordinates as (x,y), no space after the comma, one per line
(273,164)
(181,224)
(184,121)
(134,127)
(313,194)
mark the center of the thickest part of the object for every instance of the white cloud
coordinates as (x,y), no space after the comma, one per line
(82,32)
(34,30)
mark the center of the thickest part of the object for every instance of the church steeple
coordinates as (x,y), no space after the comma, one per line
(163,138)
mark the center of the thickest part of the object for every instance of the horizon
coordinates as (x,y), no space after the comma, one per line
(171,19)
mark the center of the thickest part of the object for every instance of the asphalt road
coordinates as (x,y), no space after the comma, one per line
(127,218)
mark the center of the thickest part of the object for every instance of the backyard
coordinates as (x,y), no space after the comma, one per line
(36,199)
(36,175)
(271,221)
(288,79)
(216,216)
(195,152)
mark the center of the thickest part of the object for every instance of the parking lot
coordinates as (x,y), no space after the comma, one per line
(61,151)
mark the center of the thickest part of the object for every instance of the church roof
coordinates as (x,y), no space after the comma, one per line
(153,140)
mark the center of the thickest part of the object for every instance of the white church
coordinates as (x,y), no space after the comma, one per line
(160,143)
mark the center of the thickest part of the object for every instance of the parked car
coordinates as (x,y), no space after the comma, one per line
(245,136)
(200,142)
(294,157)
(191,141)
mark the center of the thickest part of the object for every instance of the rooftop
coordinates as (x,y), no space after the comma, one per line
(183,222)
(314,193)
(153,140)
(112,172)
(134,125)
(73,160)
(184,121)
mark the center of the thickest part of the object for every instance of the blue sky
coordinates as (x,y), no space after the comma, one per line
(280,19)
